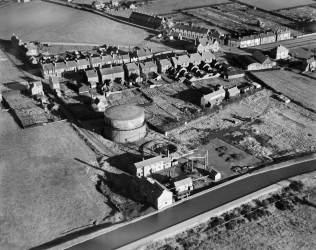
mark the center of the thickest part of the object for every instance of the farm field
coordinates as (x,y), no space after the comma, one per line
(298,88)
(277,4)
(46,191)
(299,14)
(69,25)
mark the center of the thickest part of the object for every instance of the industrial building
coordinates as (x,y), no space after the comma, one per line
(124,123)
(154,192)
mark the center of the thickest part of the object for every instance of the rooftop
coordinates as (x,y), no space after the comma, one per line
(186,181)
(148,162)
(215,94)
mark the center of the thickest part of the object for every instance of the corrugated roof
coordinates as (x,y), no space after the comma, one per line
(148,162)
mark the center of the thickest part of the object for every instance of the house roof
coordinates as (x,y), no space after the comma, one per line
(164,62)
(143,52)
(190,28)
(268,34)
(132,66)
(37,83)
(248,60)
(213,173)
(186,181)
(147,162)
(279,49)
(215,94)
(207,55)
(261,58)
(206,41)
(82,62)
(195,57)
(183,59)
(174,33)
(152,19)
(166,160)
(152,188)
(91,73)
(148,65)
(111,70)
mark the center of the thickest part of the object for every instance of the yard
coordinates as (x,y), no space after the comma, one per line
(45,187)
(298,88)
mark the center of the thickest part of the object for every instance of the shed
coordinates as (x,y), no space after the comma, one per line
(183,185)
(215,175)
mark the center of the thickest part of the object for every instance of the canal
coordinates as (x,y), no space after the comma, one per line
(191,208)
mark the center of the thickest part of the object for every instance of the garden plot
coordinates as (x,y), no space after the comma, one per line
(127,97)
(237,17)
(298,88)
(208,84)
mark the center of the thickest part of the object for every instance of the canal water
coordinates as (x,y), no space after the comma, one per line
(191,208)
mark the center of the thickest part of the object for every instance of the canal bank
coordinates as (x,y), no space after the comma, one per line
(194,207)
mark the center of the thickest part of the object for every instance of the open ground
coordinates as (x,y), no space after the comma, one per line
(45,191)
(300,89)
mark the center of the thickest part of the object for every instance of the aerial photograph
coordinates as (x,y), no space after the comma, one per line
(158,124)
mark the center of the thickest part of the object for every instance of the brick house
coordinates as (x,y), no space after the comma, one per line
(112,74)
(268,37)
(163,65)
(190,31)
(279,52)
(91,76)
(182,61)
(157,195)
(249,63)
(101,61)
(150,20)
(213,99)
(265,61)
(147,167)
(195,58)
(143,54)
(132,71)
(207,57)
(283,34)
(233,41)
(148,67)
(35,88)
(206,44)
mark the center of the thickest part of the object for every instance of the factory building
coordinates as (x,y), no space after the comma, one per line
(124,123)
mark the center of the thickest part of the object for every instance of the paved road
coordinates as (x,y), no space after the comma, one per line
(191,208)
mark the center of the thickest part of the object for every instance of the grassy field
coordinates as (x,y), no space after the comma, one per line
(298,88)
(43,21)
(45,191)
(277,4)
(7,123)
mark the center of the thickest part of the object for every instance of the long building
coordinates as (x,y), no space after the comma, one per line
(149,20)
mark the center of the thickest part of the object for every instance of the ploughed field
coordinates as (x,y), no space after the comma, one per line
(45,192)
(298,88)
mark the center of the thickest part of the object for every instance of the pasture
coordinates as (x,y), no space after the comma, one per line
(45,191)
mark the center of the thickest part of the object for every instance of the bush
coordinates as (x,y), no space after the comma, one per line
(231,225)
(296,186)
(265,203)
(284,205)
(246,209)
(217,222)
